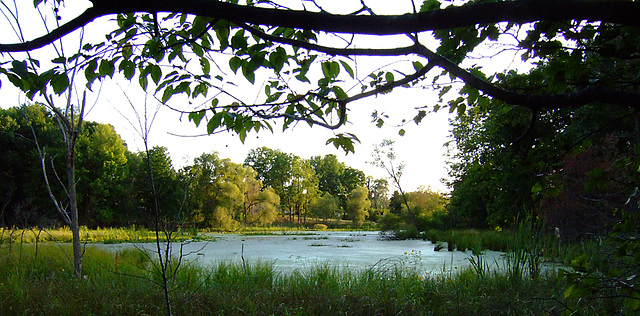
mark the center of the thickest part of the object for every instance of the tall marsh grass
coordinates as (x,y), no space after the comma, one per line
(100,235)
(123,283)
(532,238)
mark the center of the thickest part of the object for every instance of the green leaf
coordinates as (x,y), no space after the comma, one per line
(348,69)
(330,69)
(235,63)
(128,68)
(156,73)
(421,115)
(389,77)
(473,96)
(20,68)
(222,33)
(239,41)
(200,89)
(277,59)
(197,49)
(196,117)
(340,94)
(430,5)
(401,132)
(443,91)
(198,26)
(250,76)
(335,68)
(15,81)
(461,109)
(344,141)
(167,94)
(206,66)
(248,70)
(127,50)
(143,81)
(90,71)
(60,83)
(106,68)
(417,65)
(575,289)
(213,124)
(302,78)
(59,60)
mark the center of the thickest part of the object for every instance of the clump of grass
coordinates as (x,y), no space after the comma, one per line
(315,238)
(319,227)
(468,239)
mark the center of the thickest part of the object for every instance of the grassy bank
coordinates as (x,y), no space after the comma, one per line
(141,235)
(100,235)
(35,281)
(529,238)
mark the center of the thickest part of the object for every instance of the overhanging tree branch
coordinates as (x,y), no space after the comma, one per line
(590,94)
(523,11)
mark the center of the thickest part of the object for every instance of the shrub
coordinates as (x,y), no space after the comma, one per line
(319,227)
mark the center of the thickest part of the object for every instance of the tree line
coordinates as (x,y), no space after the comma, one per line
(114,185)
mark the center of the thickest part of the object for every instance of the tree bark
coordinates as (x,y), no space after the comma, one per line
(73,204)
(523,11)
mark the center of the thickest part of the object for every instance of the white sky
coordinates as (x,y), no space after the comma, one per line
(421,148)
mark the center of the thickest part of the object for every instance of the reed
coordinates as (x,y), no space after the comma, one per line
(38,281)
(99,235)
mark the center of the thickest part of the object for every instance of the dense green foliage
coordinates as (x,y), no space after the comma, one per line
(429,212)
(114,186)
(357,205)
(569,168)
(336,178)
(574,169)
(21,177)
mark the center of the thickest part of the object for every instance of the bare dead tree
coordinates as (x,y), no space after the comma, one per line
(384,157)
(166,262)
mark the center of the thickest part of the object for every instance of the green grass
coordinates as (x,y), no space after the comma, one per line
(543,243)
(100,235)
(284,224)
(123,284)
(141,235)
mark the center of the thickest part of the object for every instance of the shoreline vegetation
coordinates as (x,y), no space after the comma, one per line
(549,247)
(37,278)
(141,235)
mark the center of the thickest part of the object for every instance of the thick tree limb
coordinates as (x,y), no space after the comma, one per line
(81,20)
(577,98)
(590,94)
(615,11)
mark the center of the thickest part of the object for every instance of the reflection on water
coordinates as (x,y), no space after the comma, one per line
(353,250)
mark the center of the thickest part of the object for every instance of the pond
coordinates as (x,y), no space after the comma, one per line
(352,250)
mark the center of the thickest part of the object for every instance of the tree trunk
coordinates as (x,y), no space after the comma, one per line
(73,207)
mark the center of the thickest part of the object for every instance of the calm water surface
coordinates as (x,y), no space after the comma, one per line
(353,250)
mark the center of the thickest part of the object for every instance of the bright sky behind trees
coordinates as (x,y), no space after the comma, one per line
(421,148)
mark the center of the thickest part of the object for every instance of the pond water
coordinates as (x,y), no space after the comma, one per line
(352,250)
